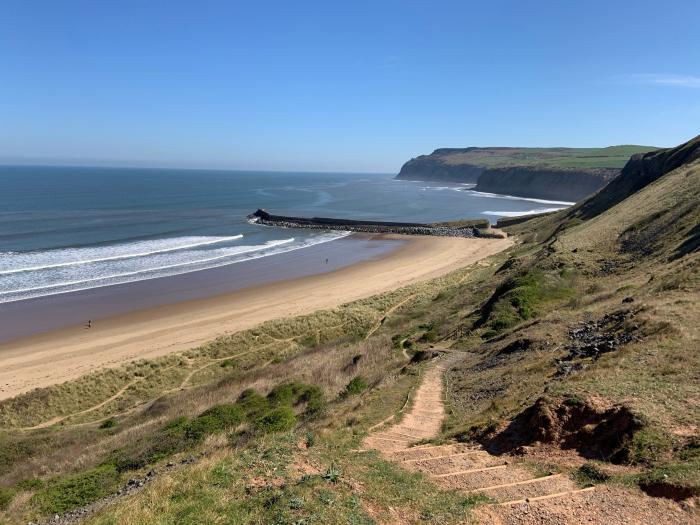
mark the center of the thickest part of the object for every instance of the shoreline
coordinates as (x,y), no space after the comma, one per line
(28,317)
(60,355)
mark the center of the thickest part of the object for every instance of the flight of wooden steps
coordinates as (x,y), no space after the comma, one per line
(473,470)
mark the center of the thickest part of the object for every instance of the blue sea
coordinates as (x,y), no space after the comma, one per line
(65,229)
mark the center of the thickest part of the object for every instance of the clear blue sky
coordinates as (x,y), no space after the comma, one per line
(339,85)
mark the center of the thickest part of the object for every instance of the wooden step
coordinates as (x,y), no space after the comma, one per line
(434,458)
(469,471)
(516,483)
(547,496)
(550,485)
(479,479)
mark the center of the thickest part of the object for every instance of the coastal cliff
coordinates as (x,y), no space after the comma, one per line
(569,174)
(562,184)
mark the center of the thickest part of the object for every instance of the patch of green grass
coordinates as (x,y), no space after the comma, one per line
(680,475)
(648,446)
(6,496)
(520,297)
(590,474)
(65,493)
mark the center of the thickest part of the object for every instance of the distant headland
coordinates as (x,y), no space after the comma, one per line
(569,174)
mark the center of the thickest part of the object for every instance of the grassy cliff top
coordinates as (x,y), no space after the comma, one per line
(496,157)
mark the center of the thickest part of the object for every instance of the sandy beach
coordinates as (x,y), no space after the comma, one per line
(64,354)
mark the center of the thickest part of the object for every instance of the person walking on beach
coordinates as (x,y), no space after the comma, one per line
(326,261)
(89,324)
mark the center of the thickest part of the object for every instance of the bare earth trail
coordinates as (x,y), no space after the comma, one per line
(518,495)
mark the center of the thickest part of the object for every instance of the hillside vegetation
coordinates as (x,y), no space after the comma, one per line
(609,157)
(575,352)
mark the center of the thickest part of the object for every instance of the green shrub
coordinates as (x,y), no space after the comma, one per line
(108,423)
(252,403)
(356,385)
(310,439)
(294,394)
(589,473)
(216,419)
(65,493)
(277,419)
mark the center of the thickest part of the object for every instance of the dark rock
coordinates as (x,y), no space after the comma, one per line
(594,338)
(423,355)
(519,345)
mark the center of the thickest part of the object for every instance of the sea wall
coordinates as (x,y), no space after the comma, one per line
(404,228)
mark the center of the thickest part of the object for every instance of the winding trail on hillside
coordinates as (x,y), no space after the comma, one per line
(517,495)
(459,466)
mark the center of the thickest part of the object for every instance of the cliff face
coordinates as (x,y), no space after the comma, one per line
(545,183)
(569,174)
(640,171)
(430,168)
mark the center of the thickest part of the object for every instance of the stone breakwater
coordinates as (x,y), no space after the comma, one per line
(404,228)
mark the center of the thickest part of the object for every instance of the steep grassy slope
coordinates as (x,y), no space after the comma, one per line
(579,355)
(593,341)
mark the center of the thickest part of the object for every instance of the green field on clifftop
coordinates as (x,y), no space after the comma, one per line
(610,157)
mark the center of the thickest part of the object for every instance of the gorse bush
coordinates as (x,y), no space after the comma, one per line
(276,420)
(217,419)
(295,394)
(590,473)
(355,386)
(252,402)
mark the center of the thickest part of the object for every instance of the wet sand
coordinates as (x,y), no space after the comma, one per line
(176,324)
(43,314)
